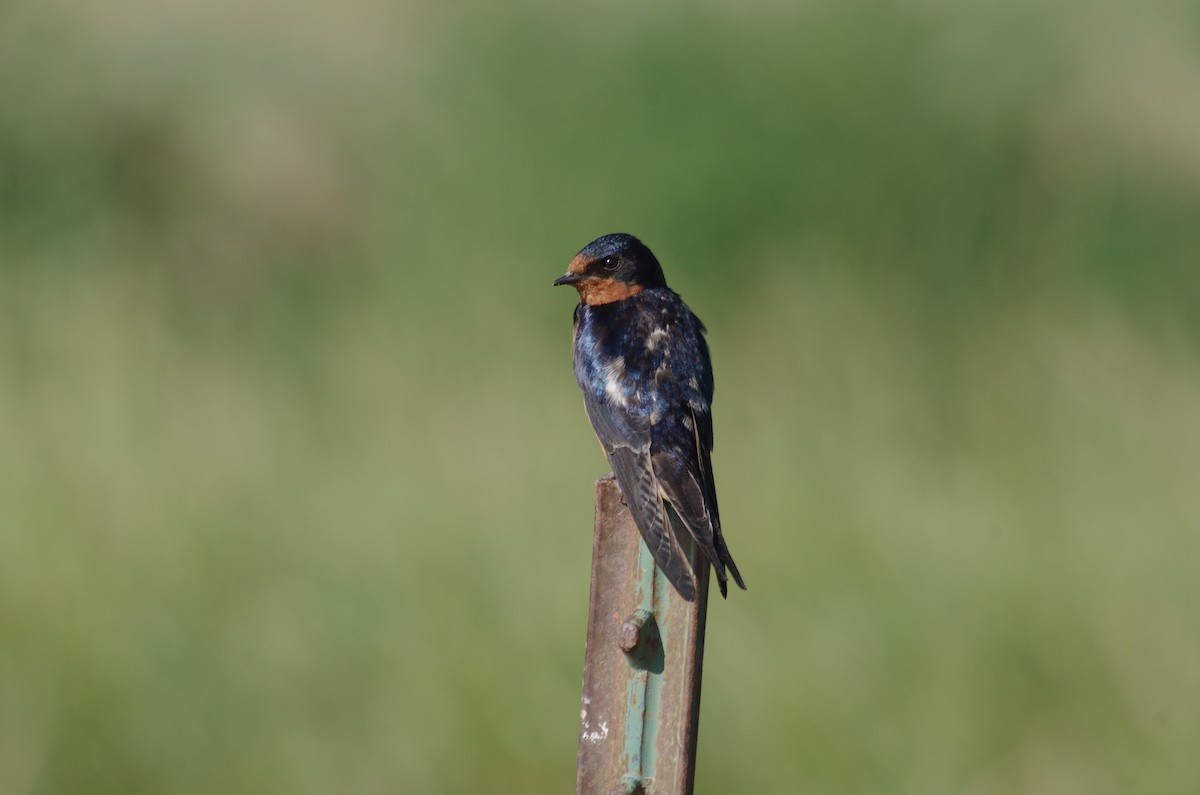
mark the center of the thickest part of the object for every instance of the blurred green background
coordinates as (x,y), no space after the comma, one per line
(296,484)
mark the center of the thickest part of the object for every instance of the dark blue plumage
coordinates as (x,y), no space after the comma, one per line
(644,369)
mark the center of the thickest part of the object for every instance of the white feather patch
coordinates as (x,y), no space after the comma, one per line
(656,336)
(613,373)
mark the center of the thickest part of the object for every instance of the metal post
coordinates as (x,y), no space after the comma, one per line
(641,673)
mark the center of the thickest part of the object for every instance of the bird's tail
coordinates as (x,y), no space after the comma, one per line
(726,560)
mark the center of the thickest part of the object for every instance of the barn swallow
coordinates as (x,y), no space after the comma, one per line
(643,365)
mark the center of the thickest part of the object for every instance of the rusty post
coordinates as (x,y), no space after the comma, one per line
(641,673)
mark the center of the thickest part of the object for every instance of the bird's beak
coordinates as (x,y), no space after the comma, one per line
(569,278)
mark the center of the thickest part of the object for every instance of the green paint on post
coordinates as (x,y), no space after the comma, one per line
(644,690)
(637,688)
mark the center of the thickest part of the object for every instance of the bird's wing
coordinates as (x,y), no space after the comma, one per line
(679,464)
(625,437)
(684,471)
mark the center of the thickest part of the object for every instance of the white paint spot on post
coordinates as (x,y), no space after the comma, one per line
(593,736)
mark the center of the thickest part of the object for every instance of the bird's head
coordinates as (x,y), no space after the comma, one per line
(612,268)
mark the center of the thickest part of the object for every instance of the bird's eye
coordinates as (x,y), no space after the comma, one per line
(610,263)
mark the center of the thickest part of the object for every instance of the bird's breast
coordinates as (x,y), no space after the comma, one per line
(644,354)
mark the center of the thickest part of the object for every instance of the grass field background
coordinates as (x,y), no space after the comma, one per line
(295,482)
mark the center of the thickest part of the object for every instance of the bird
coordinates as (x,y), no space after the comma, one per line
(644,368)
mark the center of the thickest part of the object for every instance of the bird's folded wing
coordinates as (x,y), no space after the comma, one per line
(626,440)
(682,487)
(636,478)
